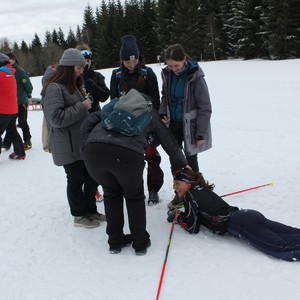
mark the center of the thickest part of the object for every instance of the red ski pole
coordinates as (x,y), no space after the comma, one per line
(166,257)
(249,189)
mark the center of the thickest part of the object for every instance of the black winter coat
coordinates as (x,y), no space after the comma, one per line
(94,83)
(127,81)
(203,207)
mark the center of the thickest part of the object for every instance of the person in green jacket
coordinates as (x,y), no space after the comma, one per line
(24,91)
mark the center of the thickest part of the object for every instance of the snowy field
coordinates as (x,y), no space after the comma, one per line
(256,140)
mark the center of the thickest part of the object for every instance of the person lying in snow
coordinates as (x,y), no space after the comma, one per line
(203,207)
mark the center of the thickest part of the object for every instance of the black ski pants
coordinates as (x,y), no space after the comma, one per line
(119,171)
(81,189)
(8,123)
(22,123)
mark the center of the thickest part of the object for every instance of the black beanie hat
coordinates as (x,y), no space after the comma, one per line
(129,49)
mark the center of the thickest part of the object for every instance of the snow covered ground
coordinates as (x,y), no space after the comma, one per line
(256,140)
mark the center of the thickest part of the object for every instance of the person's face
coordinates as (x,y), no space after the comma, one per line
(88,62)
(12,61)
(176,66)
(181,187)
(78,70)
(130,64)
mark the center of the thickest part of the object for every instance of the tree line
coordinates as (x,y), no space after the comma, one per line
(207,29)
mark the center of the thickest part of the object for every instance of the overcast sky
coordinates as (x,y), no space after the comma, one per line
(20,20)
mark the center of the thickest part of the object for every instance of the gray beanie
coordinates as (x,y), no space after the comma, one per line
(3,58)
(72,57)
(129,49)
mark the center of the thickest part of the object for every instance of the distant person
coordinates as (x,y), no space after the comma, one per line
(65,109)
(94,82)
(185,106)
(9,107)
(116,161)
(24,96)
(204,207)
(133,73)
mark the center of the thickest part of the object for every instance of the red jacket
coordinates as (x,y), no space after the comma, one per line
(8,91)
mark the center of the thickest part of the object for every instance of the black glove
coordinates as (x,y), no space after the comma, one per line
(171,215)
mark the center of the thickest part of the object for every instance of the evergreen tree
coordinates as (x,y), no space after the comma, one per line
(54,37)
(249,24)
(89,27)
(213,32)
(187,27)
(48,38)
(147,36)
(24,47)
(61,38)
(165,23)
(281,24)
(36,65)
(71,40)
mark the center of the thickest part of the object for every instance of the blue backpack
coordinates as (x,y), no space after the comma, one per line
(129,115)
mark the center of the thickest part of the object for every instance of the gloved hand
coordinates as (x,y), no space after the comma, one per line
(171,215)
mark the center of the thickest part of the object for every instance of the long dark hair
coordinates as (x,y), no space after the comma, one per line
(176,52)
(140,85)
(199,179)
(65,75)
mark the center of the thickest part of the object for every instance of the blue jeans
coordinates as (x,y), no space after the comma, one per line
(271,237)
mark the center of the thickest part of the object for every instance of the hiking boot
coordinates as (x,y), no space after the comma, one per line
(126,243)
(86,221)
(27,145)
(143,251)
(16,157)
(6,147)
(98,216)
(175,203)
(153,198)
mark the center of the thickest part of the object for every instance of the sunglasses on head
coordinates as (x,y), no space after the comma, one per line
(87,54)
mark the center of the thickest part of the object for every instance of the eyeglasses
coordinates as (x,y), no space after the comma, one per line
(87,54)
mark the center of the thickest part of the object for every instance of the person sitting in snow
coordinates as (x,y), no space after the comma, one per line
(203,207)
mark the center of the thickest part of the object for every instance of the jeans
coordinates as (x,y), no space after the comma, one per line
(273,238)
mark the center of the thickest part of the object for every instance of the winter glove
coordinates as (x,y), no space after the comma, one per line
(171,215)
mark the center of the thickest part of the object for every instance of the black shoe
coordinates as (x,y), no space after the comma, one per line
(153,198)
(143,251)
(127,242)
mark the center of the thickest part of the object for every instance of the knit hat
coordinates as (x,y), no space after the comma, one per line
(184,175)
(3,58)
(129,49)
(72,57)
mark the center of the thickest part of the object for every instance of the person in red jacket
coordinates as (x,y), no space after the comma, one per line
(9,107)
